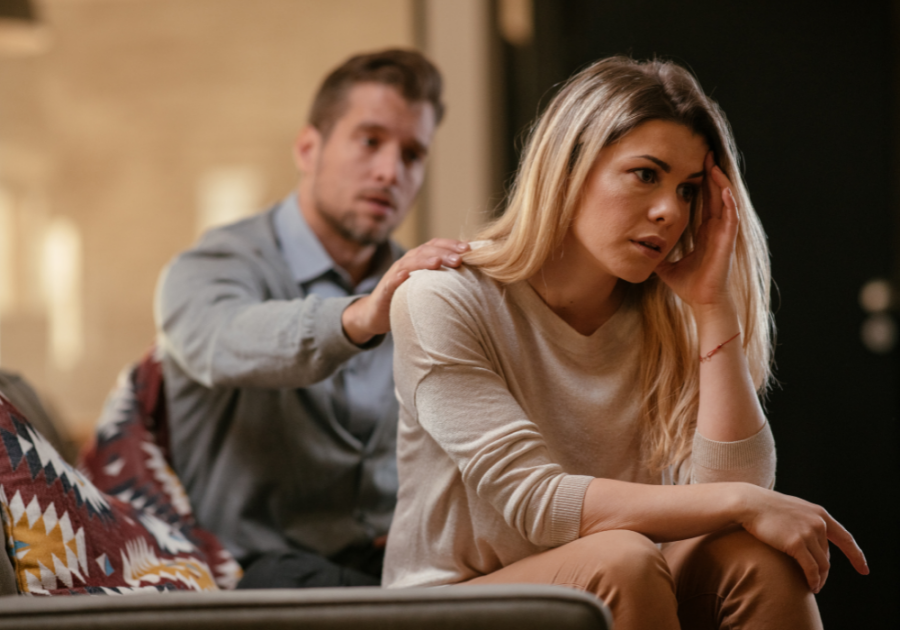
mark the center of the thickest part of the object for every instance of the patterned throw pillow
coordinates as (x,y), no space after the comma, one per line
(64,536)
(133,530)
(128,462)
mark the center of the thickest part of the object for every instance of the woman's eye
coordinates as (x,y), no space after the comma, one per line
(646,175)
(688,192)
(370,141)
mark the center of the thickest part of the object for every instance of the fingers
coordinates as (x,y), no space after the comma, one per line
(434,254)
(818,548)
(391,283)
(845,542)
(730,214)
(459,247)
(711,194)
(370,316)
(815,556)
(720,178)
(718,191)
(809,547)
(810,568)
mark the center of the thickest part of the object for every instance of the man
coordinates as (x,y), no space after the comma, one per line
(274,336)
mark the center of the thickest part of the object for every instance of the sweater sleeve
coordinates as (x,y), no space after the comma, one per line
(445,375)
(216,318)
(751,460)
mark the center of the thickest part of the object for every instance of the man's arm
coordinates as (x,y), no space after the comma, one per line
(216,318)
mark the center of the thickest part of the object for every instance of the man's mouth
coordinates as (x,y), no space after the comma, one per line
(379,201)
(383,201)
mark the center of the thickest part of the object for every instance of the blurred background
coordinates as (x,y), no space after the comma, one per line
(127,127)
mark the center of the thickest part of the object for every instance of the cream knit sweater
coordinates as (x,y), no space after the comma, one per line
(506,414)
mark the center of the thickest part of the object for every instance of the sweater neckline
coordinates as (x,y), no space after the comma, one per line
(560,332)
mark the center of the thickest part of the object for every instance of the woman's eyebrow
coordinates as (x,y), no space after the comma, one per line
(663,165)
(668,169)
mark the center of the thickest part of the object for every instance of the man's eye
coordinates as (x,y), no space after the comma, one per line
(411,157)
(370,141)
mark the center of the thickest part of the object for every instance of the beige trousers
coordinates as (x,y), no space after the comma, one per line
(727,579)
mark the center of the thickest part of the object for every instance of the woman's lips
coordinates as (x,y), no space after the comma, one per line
(652,248)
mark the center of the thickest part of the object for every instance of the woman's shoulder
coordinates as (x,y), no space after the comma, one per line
(460,283)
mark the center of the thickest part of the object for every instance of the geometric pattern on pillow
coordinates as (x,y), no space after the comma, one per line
(65,536)
(126,462)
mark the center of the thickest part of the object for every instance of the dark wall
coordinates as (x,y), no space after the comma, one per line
(809,92)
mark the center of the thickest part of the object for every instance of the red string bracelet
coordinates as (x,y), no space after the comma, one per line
(709,355)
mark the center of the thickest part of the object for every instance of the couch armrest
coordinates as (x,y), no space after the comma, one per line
(488,607)
(7,574)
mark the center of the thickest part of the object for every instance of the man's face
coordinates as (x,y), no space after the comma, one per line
(363,177)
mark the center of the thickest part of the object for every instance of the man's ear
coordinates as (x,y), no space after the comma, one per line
(306,149)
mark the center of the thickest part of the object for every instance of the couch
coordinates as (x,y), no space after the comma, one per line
(128,461)
(522,607)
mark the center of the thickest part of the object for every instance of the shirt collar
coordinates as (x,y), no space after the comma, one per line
(307,258)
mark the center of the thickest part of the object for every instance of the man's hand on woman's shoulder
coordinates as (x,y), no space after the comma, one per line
(370,315)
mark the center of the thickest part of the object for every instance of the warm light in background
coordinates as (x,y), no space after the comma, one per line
(149,121)
(227,194)
(516,21)
(61,280)
(145,122)
(7,255)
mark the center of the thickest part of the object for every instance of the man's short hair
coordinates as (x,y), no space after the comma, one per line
(407,71)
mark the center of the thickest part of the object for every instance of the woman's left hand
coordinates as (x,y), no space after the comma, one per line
(701,277)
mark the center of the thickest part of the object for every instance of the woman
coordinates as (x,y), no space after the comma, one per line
(588,384)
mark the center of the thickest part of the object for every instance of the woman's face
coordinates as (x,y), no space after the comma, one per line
(637,199)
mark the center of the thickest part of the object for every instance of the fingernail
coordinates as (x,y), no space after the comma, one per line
(462,247)
(453,258)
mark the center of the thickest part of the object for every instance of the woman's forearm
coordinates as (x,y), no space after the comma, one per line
(662,513)
(729,408)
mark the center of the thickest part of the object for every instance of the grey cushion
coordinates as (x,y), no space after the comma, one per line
(519,606)
(40,414)
(7,574)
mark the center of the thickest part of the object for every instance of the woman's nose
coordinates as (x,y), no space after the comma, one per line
(669,210)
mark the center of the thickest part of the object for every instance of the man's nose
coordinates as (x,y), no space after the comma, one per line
(388,165)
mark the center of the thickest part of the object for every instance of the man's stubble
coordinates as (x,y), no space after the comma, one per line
(347,223)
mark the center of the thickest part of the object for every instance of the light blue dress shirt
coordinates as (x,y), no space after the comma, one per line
(361,380)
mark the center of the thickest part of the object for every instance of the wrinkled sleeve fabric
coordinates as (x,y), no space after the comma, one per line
(751,460)
(447,376)
(219,315)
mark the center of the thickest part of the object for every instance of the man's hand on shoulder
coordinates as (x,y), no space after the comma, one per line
(370,316)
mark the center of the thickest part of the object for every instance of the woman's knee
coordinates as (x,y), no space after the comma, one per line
(624,557)
(737,557)
(758,561)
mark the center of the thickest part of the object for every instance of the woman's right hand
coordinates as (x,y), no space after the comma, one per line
(800,529)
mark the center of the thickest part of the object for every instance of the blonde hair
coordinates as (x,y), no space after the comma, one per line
(594,109)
